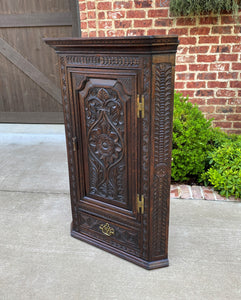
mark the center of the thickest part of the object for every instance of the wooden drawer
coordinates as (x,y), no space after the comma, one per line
(104,230)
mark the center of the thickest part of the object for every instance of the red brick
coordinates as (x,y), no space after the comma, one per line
(236,66)
(123,4)
(185,192)
(116,14)
(156,32)
(115,33)
(162,3)
(181,68)
(143,3)
(158,13)
(186,93)
(228,57)
(200,31)
(239,93)
(237,124)
(142,23)
(225,93)
(231,39)
(204,93)
(220,49)
(83,16)
(206,58)
(228,75)
(208,193)
(91,4)
(135,14)
(179,85)
(91,15)
(196,192)
(216,117)
(182,50)
(185,21)
(238,109)
(208,39)
(234,101)
(83,25)
(208,20)
(92,24)
(135,32)
(236,48)
(82,6)
(178,31)
(217,101)
(206,76)
(229,20)
(222,124)
(163,22)
(219,67)
(221,29)
(196,85)
(235,84)
(101,15)
(174,191)
(185,76)
(233,117)
(101,33)
(185,58)
(198,67)
(198,101)
(104,5)
(92,34)
(84,34)
(207,109)
(187,40)
(236,131)
(198,49)
(105,24)
(217,84)
(123,24)
(237,29)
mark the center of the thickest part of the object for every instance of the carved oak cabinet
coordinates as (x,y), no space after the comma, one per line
(118,105)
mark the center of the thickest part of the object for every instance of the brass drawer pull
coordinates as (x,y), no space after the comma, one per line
(106,229)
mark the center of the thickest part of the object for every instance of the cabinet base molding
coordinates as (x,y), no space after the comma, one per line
(138,261)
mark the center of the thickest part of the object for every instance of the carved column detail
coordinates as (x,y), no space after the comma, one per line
(163,110)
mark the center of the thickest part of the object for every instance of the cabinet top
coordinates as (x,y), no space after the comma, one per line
(129,44)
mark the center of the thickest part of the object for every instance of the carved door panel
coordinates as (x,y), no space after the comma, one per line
(108,132)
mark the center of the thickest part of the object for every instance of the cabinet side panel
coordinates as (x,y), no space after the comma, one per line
(162,109)
(69,135)
(145,154)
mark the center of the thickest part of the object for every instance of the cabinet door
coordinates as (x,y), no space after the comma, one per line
(107,132)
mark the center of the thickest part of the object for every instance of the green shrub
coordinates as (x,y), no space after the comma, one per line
(225,171)
(198,7)
(191,140)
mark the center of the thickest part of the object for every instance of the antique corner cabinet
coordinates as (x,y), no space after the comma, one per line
(118,106)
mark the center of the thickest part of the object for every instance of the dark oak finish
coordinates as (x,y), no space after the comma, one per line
(119,151)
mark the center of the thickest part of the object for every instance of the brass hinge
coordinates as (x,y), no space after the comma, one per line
(74,142)
(140,203)
(140,106)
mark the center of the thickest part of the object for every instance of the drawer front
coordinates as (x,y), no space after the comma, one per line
(118,236)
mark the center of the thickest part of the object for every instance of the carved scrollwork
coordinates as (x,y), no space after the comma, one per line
(162,155)
(105,138)
(125,61)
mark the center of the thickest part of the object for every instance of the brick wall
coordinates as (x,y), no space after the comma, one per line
(209,55)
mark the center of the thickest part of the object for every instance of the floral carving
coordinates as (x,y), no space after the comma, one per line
(105,138)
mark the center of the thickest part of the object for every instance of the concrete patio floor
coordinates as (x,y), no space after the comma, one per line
(39,259)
